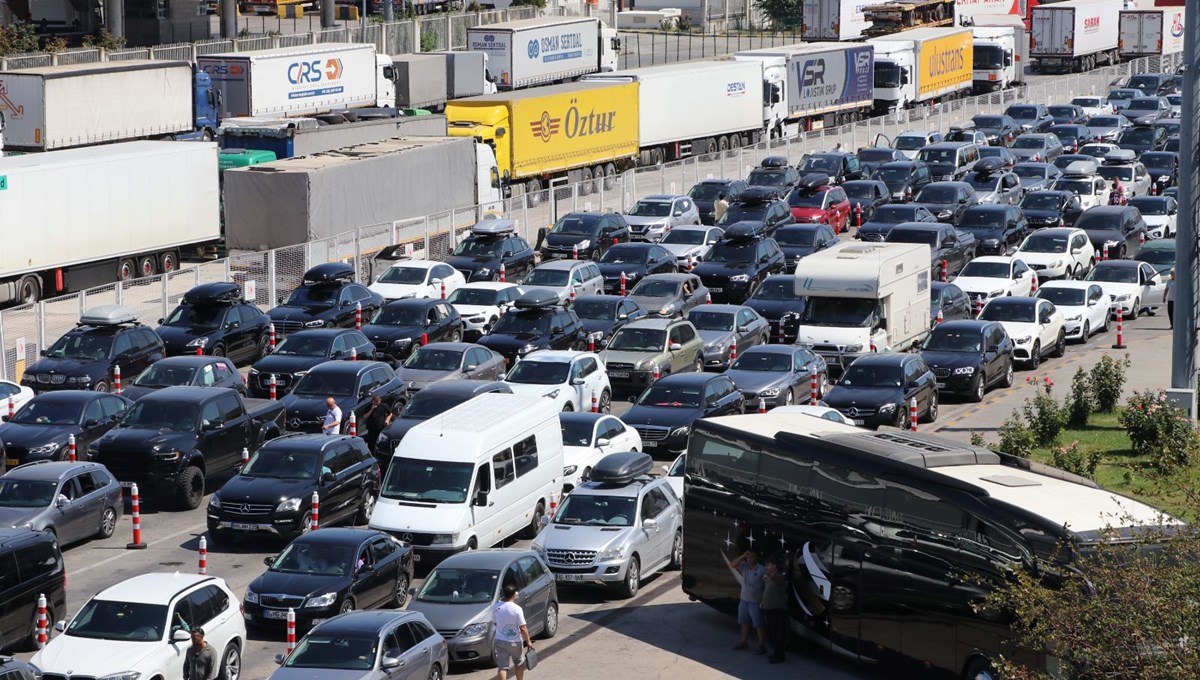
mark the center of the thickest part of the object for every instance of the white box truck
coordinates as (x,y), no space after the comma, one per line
(914,67)
(834,19)
(1001,51)
(863,297)
(1075,34)
(1152,32)
(810,86)
(301,81)
(687,108)
(545,50)
(85,217)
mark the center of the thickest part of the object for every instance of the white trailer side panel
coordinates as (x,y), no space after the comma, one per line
(124,199)
(538,51)
(834,19)
(969,9)
(1151,32)
(1075,28)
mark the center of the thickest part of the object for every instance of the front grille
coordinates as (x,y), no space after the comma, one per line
(247,509)
(855,412)
(467,274)
(58,676)
(280,601)
(618,367)
(823,349)
(281,380)
(652,433)
(941,372)
(53,379)
(447,632)
(1037,267)
(714,282)
(286,327)
(750,396)
(413,538)
(570,558)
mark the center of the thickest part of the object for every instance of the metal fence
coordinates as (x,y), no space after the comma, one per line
(267,275)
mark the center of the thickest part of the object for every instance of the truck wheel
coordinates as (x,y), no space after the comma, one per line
(167,262)
(29,290)
(189,488)
(533,192)
(585,181)
(722,143)
(610,176)
(126,270)
(147,266)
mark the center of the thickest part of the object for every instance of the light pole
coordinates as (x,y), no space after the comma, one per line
(1183,338)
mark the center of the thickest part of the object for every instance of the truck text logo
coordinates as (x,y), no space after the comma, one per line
(812,80)
(1177,26)
(533,50)
(545,127)
(577,124)
(946,62)
(735,89)
(7,104)
(862,62)
(224,70)
(1091,23)
(303,72)
(556,47)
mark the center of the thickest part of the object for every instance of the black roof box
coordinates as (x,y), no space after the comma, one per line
(745,229)
(220,293)
(758,195)
(537,298)
(774,162)
(328,272)
(986,165)
(812,180)
(619,469)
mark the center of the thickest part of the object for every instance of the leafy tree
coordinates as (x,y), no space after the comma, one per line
(784,14)
(540,4)
(18,38)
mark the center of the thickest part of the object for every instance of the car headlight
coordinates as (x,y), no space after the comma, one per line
(321,600)
(944,213)
(299,375)
(1023,340)
(80,379)
(667,310)
(854,348)
(552,395)
(168,455)
(617,553)
(123,675)
(887,408)
(288,505)
(1056,264)
(681,431)
(1164,178)
(995,293)
(629,276)
(444,539)
(1075,317)
(770,392)
(527,349)
(251,597)
(484,271)
(584,244)
(739,278)
(1124,297)
(570,470)
(1112,244)
(474,630)
(215,501)
(402,342)
(198,342)
(316,323)
(965,370)
(44,449)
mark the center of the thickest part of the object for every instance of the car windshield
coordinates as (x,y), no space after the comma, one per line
(801,198)
(987,270)
(1121,95)
(900,235)
(1093,150)
(1144,83)
(479,247)
(1156,256)
(1045,243)
(1088,102)
(522,324)
(708,192)
(1094,221)
(26,493)
(279,463)
(907,142)
(1150,205)
(950,340)
(744,212)
(1022,112)
(595,310)
(554,278)
(577,432)
(160,375)
(834,311)
(200,317)
(777,289)
(1135,136)
(323,559)
(403,275)
(426,481)
(534,372)
(936,194)
(1113,274)
(41,412)
(334,652)
(318,295)
(876,155)
(895,214)
(1157,159)
(827,164)
(112,620)
(671,396)
(858,189)
(597,510)
(582,225)
(800,236)
(307,345)
(685,237)
(400,315)
(161,415)
(650,209)
(741,251)
(986,219)
(1142,105)
(1026,142)
(767,177)
(1068,132)
(425,404)
(1061,111)
(892,175)
(460,586)
(1063,297)
(435,359)
(932,156)
(1083,187)
(871,375)
(629,254)
(326,384)
(887,75)
(480,297)
(657,288)
(768,362)
(1009,310)
(711,321)
(83,346)
(1041,202)
(638,340)
(988,121)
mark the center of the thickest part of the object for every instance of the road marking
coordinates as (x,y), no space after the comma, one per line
(198,528)
(668,583)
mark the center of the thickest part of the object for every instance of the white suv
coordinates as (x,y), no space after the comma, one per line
(568,377)
(141,628)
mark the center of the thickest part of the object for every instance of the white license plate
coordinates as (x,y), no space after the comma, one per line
(650,445)
(568,577)
(941,385)
(716,290)
(416,557)
(11,462)
(274,614)
(126,485)
(242,526)
(859,421)
(611,374)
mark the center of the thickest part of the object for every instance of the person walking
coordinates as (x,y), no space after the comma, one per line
(750,599)
(512,635)
(377,418)
(720,206)
(200,660)
(774,610)
(333,418)
(1169,298)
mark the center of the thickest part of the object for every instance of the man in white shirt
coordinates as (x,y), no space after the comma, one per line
(333,418)
(511,631)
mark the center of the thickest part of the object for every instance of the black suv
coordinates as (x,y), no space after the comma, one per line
(705,194)
(585,235)
(738,264)
(86,356)
(636,261)
(32,565)
(351,384)
(537,321)
(327,297)
(272,494)
(841,166)
(904,179)
(300,351)
(1116,230)
(215,319)
(401,326)
(968,357)
(759,204)
(774,171)
(429,402)
(41,430)
(493,242)
(1031,117)
(776,301)
(998,229)
(1050,208)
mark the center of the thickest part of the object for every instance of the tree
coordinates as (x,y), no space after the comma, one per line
(540,4)
(784,14)
(18,38)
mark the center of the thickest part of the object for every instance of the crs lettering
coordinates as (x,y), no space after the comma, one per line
(302,72)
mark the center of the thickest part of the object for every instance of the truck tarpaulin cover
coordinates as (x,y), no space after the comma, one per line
(585,125)
(832,78)
(946,62)
(314,197)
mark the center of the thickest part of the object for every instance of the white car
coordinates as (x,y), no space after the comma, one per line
(141,628)
(417,279)
(1133,285)
(692,241)
(1160,213)
(993,276)
(910,142)
(572,379)
(675,471)
(1093,105)
(1098,150)
(14,393)
(1084,305)
(1035,326)
(1091,189)
(1057,253)
(588,437)
(481,305)
(822,412)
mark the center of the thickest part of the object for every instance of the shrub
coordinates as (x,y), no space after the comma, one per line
(429,41)
(1015,437)
(1071,459)
(1081,402)
(977,439)
(104,39)
(1160,431)
(1108,379)
(1046,417)
(18,38)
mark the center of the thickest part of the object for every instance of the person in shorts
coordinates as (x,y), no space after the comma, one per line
(512,635)
(749,612)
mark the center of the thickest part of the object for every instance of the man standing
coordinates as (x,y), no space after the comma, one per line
(377,418)
(1169,298)
(333,418)
(200,661)
(720,206)
(511,632)
(750,600)
(774,610)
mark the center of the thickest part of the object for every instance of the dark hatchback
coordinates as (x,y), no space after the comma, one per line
(946,200)
(1051,208)
(328,572)
(493,243)
(968,357)
(777,301)
(635,261)
(186,370)
(889,216)
(400,327)
(351,384)
(603,315)
(86,356)
(877,389)
(328,296)
(272,494)
(429,402)
(663,414)
(866,195)
(41,429)
(583,235)
(998,229)
(1113,229)
(537,321)
(215,319)
(799,240)
(738,264)
(705,194)
(761,206)
(904,179)
(299,352)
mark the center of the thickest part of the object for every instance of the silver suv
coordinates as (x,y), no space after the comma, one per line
(615,529)
(653,217)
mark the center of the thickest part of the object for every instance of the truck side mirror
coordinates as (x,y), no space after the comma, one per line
(904,77)
(1008,60)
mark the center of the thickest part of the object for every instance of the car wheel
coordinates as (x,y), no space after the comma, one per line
(435,673)
(550,624)
(1035,355)
(231,663)
(633,579)
(1077,274)
(698,365)
(980,669)
(347,606)
(217,351)
(108,523)
(1087,331)
(1008,375)
(189,488)
(789,398)
(365,508)
(901,420)
(100,386)
(400,590)
(931,413)
(1137,305)
(605,402)
(978,387)
(535,522)
(305,524)
(1060,345)
(677,552)
(456,336)
(1104,328)
(568,407)
(261,350)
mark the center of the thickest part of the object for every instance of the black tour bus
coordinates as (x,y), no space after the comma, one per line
(887,538)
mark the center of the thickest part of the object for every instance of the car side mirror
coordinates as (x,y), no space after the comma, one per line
(743,328)
(481,499)
(390,662)
(576,381)
(60,626)
(214,424)
(180,635)
(1077,251)
(232,325)
(622,317)
(471,367)
(62,501)
(1016,275)
(675,347)
(269,560)
(280,658)
(556,330)
(41,352)
(160,321)
(883,324)
(345,303)
(649,523)
(366,568)
(328,477)
(602,442)
(90,422)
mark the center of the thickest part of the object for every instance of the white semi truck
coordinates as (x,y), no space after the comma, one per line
(921,65)
(545,50)
(1001,51)
(1075,35)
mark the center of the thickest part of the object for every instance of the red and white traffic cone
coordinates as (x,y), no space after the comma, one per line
(572,299)
(657,374)
(503,273)
(591,342)
(291,631)
(117,379)
(912,415)
(1141,238)
(690,264)
(762,405)
(135,514)
(732,352)
(595,404)
(1120,344)
(43,622)
(622,284)
(940,318)
(1104,254)
(200,351)
(945,270)
(203,564)
(358,315)
(424,339)
(443,290)
(274,388)
(874,349)
(12,408)
(707,298)
(575,252)
(353,354)
(858,216)
(271,336)
(1033,287)
(353,425)
(815,389)
(71,448)
(245,455)
(316,512)
(978,306)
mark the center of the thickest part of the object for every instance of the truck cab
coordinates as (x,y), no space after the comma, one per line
(1001,53)
(894,82)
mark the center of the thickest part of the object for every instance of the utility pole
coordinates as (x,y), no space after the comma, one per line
(1183,338)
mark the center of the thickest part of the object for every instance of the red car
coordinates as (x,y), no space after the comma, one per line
(822,204)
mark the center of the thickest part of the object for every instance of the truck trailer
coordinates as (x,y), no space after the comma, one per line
(1001,51)
(917,66)
(545,50)
(1075,35)
(132,210)
(430,79)
(59,107)
(834,20)
(309,198)
(291,137)
(811,86)
(1151,32)
(302,80)
(892,17)
(968,12)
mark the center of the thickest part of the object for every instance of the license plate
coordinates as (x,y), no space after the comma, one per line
(611,374)
(11,462)
(274,614)
(649,445)
(416,557)
(941,385)
(715,290)
(242,526)
(859,421)
(568,577)
(126,485)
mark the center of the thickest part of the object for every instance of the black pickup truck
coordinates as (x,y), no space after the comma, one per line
(171,440)
(945,242)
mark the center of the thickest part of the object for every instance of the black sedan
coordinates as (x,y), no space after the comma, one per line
(427,403)
(215,319)
(664,413)
(946,200)
(968,357)
(441,361)
(186,370)
(870,158)
(778,375)
(877,389)
(328,296)
(401,326)
(1051,208)
(798,240)
(949,300)
(329,572)
(1162,166)
(351,384)
(603,315)
(1073,136)
(1114,230)
(299,352)
(865,196)
(889,216)
(777,301)
(42,428)
(636,261)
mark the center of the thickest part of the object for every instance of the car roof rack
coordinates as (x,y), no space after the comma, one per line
(329,272)
(394,253)
(494,226)
(774,162)
(539,298)
(1080,169)
(109,315)
(988,165)
(742,231)
(619,469)
(813,180)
